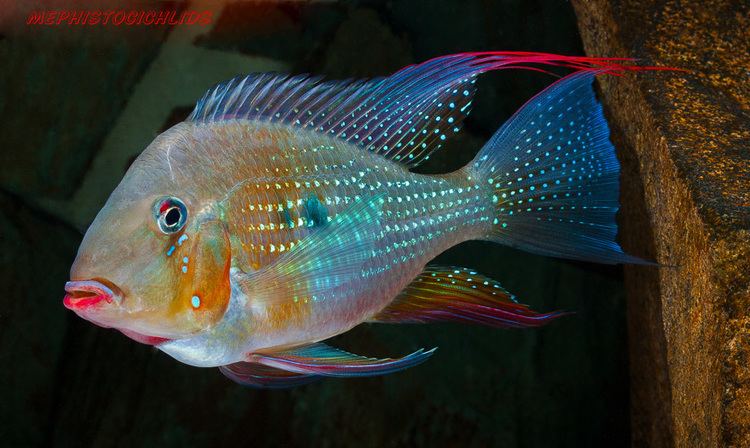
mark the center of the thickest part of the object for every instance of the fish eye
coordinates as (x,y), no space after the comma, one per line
(170,214)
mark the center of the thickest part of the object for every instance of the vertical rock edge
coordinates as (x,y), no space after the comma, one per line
(688,323)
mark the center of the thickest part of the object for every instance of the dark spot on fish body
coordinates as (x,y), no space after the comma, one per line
(287,217)
(316,213)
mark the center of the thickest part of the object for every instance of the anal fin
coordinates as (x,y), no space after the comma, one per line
(324,360)
(442,294)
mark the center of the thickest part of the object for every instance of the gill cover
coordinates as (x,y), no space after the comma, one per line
(203,289)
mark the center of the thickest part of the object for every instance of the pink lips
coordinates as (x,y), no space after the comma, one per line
(86,293)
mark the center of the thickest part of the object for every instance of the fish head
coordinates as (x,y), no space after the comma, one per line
(155,262)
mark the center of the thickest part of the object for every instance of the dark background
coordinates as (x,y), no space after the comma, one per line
(65,382)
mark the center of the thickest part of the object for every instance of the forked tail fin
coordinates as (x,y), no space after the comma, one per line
(555,176)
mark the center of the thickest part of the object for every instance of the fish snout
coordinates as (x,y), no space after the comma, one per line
(82,294)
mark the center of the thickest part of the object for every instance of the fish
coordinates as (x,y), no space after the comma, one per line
(285,210)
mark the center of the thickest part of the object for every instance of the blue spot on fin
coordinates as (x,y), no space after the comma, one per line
(404,117)
(555,176)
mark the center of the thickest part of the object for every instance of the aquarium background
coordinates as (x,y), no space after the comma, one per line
(78,104)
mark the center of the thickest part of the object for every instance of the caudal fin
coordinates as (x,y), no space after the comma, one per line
(555,176)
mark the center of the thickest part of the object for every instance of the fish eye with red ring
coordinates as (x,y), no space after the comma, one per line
(170,214)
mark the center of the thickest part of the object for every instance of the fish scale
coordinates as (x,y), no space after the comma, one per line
(422,215)
(338,175)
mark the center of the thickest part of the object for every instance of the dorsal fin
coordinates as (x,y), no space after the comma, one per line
(404,117)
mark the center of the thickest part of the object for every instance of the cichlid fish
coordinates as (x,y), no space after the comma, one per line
(283,212)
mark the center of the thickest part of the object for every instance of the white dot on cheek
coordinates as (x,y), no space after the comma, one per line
(195,301)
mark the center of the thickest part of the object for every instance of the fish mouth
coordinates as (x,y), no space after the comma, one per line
(81,294)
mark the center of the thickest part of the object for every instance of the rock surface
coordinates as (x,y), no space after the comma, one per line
(685,139)
(52,77)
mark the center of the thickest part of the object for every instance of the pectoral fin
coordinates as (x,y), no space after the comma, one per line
(264,377)
(443,294)
(321,359)
(324,262)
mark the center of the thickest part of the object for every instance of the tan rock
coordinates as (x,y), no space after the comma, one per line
(684,139)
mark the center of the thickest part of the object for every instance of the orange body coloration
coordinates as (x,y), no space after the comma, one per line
(203,295)
(170,282)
